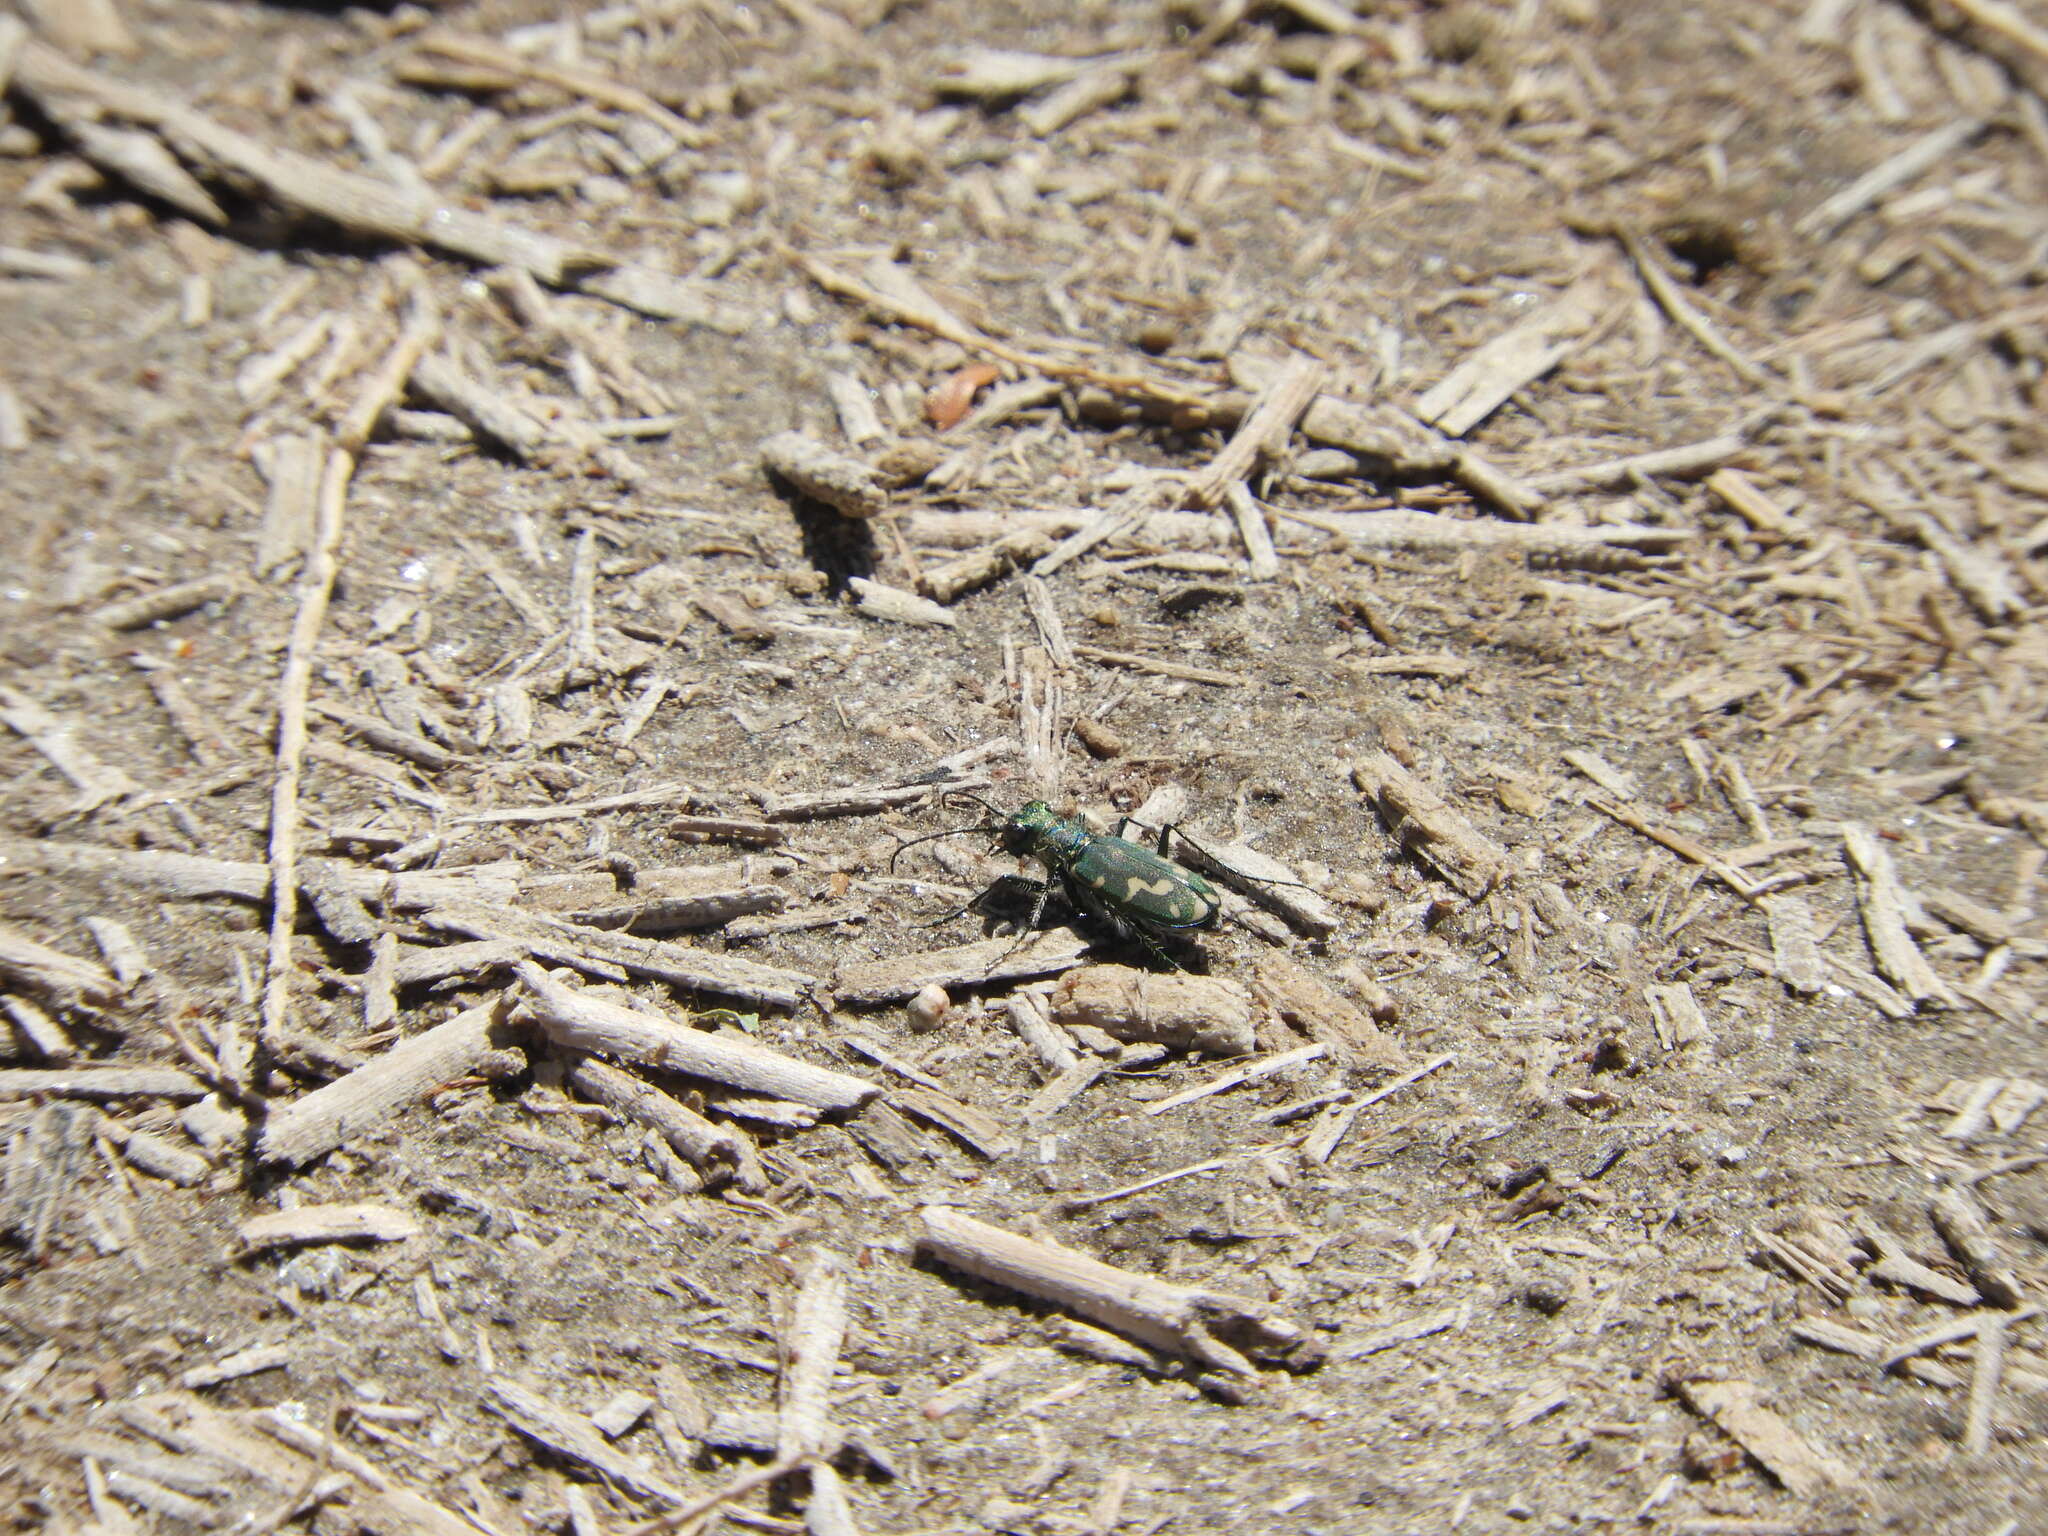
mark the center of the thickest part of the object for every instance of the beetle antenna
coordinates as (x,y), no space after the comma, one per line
(965,794)
(932,837)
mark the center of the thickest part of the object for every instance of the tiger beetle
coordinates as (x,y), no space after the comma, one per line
(1135,891)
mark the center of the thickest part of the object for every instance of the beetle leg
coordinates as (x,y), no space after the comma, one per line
(1166,833)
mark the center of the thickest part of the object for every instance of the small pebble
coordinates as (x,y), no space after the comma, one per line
(927,1010)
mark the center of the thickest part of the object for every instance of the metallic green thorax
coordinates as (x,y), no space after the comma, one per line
(1116,878)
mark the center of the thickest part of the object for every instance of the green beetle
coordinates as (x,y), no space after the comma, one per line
(1135,891)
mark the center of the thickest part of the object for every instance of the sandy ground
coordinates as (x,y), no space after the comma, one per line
(1662,975)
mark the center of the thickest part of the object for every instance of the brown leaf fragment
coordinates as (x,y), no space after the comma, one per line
(1735,1408)
(949,401)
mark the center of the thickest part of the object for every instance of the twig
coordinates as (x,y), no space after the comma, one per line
(1677,842)
(1252,528)
(1175,1318)
(1159,666)
(1682,462)
(577,81)
(1322,1142)
(738,1488)
(1264,430)
(1917,158)
(316,586)
(367,204)
(1686,314)
(385,387)
(1987,1370)
(469,1045)
(1883,905)
(1237,1077)
(589,1022)
(1427,826)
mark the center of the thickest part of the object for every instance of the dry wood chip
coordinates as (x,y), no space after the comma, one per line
(568,1433)
(588,1022)
(100,1083)
(1735,1407)
(1265,879)
(1795,953)
(343,1223)
(1595,767)
(1189,1013)
(363,203)
(1002,74)
(1682,462)
(1303,1000)
(168,602)
(1895,1266)
(866,800)
(878,600)
(1062,1090)
(840,481)
(1396,1334)
(1961,1331)
(1438,664)
(1237,1077)
(1961,1223)
(955,579)
(1425,824)
(1480,384)
(247,1362)
(600,951)
(1159,666)
(893,979)
(1545,1397)
(1914,160)
(64,980)
(620,1412)
(1264,429)
(979,1131)
(717,1152)
(96,782)
(1425,531)
(1884,906)
(42,1035)
(1677,1015)
(471,1043)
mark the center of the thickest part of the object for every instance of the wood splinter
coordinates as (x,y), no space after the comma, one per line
(1429,828)
(845,484)
(1183,1320)
(586,1021)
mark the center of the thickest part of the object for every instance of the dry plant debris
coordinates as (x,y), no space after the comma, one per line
(515,520)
